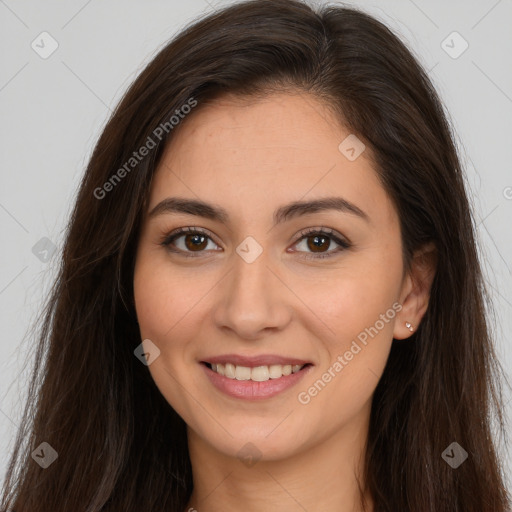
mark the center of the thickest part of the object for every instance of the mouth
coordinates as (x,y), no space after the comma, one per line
(252,379)
(261,373)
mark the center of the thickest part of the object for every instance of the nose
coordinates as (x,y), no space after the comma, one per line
(253,300)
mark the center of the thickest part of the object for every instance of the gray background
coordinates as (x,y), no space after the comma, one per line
(53,109)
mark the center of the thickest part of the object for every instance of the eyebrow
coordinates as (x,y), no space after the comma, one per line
(282,214)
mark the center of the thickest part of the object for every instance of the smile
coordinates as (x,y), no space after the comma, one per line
(254,382)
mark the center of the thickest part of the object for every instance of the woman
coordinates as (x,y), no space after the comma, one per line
(270,296)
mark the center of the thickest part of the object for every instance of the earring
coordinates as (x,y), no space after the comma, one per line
(409,326)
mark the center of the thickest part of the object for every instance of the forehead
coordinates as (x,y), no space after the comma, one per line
(264,151)
(295,125)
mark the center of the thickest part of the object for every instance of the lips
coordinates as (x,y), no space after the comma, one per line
(256,377)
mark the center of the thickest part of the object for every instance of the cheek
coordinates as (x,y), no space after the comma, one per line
(362,320)
(169,311)
(359,306)
(158,313)
(160,305)
(160,297)
(350,300)
(153,302)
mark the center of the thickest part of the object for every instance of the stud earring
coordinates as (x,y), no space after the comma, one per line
(409,326)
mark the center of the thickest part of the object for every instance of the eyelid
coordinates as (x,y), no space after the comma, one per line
(324,231)
(189,229)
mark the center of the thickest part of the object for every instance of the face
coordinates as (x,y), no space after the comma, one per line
(238,293)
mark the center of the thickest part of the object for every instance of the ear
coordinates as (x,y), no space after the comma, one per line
(415,292)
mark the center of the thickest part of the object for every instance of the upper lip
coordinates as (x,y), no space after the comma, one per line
(252,361)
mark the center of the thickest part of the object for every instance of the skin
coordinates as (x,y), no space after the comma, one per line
(251,157)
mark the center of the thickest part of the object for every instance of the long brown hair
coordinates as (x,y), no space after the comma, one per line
(120,445)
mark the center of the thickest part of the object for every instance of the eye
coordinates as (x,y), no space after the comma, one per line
(194,240)
(190,240)
(318,240)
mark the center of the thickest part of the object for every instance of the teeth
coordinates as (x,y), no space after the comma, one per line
(229,370)
(275,371)
(242,373)
(287,369)
(257,373)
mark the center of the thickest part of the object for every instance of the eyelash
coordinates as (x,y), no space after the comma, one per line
(306,233)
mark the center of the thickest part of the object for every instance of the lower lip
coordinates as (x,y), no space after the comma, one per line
(252,390)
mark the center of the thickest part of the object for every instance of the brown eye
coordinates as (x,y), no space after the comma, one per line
(188,240)
(316,243)
(195,242)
